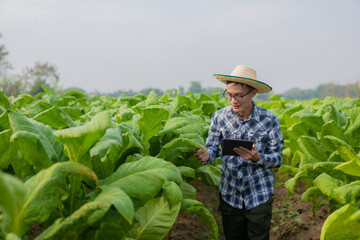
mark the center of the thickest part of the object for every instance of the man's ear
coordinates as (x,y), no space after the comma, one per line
(254,92)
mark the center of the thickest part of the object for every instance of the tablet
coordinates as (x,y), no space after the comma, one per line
(229,144)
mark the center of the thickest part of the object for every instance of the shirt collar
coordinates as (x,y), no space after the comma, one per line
(253,116)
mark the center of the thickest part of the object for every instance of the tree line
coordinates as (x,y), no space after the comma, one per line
(32,78)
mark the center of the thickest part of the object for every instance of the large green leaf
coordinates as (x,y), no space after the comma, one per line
(352,167)
(7,150)
(332,113)
(296,130)
(332,129)
(172,193)
(193,136)
(188,191)
(78,140)
(349,193)
(76,94)
(181,125)
(328,167)
(4,102)
(12,236)
(176,147)
(90,213)
(181,103)
(125,115)
(285,168)
(23,99)
(210,174)
(327,184)
(151,99)
(313,148)
(151,121)
(342,224)
(144,178)
(345,150)
(110,143)
(35,141)
(197,208)
(74,112)
(13,196)
(55,117)
(187,172)
(347,153)
(354,120)
(310,192)
(288,112)
(38,197)
(312,121)
(208,107)
(291,183)
(343,104)
(4,121)
(109,150)
(154,220)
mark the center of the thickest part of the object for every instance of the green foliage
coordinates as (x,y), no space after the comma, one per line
(324,90)
(141,150)
(196,207)
(139,147)
(322,150)
(344,223)
(38,197)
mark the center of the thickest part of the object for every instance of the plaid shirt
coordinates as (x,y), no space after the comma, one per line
(242,181)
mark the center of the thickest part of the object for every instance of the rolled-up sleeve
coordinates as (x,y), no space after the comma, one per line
(213,140)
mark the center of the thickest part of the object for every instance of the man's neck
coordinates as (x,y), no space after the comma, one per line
(244,115)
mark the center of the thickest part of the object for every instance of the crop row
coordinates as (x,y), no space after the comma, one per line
(322,150)
(100,167)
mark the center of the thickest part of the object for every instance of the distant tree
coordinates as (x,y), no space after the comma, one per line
(4,64)
(181,91)
(195,87)
(41,74)
(263,96)
(118,93)
(12,85)
(213,90)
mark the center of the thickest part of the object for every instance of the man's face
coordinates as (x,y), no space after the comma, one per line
(240,97)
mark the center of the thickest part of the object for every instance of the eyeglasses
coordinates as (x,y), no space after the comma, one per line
(237,96)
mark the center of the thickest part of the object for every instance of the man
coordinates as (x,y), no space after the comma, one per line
(247,180)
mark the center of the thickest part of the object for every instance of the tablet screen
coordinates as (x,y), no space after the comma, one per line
(229,144)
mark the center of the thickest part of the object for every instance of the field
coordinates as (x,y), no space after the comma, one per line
(292,219)
(96,167)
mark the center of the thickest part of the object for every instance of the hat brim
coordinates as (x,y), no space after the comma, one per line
(260,86)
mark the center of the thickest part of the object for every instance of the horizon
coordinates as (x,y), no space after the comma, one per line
(166,44)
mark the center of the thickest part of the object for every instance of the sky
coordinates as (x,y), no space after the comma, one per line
(109,45)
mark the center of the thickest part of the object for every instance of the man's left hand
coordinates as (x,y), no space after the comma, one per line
(251,155)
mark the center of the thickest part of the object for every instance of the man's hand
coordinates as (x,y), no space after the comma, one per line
(246,154)
(201,155)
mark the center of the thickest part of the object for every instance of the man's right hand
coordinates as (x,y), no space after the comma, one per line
(201,155)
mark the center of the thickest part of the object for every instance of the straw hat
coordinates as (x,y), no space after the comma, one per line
(244,75)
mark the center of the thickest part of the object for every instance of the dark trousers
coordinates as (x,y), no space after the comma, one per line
(253,224)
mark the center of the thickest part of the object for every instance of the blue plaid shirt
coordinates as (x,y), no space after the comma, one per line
(243,181)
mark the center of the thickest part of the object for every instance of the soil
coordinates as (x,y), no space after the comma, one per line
(292,219)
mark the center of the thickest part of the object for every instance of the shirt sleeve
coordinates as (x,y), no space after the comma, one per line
(272,156)
(213,140)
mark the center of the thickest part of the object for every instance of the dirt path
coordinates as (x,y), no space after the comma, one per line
(292,219)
